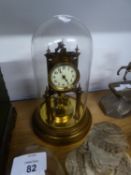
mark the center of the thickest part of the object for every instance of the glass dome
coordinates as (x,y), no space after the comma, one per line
(61,51)
(73,34)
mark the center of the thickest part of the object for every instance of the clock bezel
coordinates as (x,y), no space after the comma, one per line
(64,89)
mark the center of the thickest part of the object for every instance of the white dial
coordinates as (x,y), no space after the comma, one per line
(63,77)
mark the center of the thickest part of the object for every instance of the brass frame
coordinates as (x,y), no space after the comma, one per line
(63,135)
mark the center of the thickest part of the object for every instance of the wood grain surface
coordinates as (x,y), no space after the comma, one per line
(23,136)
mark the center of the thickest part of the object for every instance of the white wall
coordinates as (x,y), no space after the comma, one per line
(108,21)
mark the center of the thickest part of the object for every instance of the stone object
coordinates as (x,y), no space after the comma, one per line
(103,153)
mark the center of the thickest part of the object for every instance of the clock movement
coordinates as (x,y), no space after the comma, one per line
(61,57)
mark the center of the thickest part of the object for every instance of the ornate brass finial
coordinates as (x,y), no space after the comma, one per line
(60,46)
(48,50)
(77,49)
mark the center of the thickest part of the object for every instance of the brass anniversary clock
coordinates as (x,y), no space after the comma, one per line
(63,117)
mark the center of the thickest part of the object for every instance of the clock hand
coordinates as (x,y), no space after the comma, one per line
(64,77)
(59,70)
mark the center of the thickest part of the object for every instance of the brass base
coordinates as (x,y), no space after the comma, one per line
(64,135)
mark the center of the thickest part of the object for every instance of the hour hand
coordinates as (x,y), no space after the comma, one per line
(64,77)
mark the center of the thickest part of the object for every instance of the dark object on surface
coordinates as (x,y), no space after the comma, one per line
(121,90)
(114,106)
(118,102)
(7,122)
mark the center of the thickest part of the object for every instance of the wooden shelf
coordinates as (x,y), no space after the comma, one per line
(23,135)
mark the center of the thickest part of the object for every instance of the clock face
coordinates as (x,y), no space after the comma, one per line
(63,77)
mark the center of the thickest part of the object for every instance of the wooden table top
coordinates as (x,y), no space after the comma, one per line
(24,137)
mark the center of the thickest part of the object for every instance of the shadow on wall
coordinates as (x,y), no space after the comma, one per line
(22,73)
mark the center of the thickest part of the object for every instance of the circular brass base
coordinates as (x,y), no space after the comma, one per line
(60,136)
